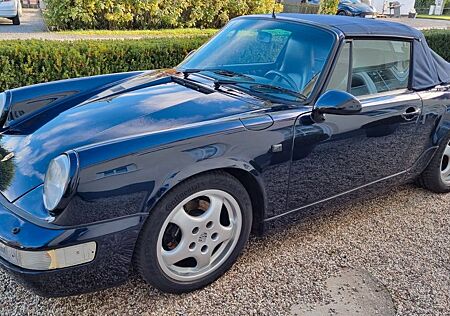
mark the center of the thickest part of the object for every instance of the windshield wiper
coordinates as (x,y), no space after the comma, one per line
(260,88)
(187,72)
(267,88)
(220,72)
(232,74)
(219,82)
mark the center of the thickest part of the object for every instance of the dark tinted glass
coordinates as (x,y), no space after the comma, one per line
(258,47)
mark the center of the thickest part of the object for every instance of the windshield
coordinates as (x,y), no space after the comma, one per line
(270,57)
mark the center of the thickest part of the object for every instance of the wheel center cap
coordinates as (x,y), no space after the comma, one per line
(202,237)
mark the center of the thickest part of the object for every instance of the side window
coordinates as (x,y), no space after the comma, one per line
(339,77)
(379,66)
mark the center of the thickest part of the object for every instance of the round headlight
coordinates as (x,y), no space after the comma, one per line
(56,181)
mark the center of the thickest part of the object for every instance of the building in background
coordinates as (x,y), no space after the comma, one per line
(30,3)
(382,6)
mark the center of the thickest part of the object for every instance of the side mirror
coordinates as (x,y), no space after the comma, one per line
(337,102)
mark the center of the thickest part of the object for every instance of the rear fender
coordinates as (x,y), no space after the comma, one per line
(441,106)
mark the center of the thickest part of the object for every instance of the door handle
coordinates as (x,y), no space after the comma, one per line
(411,113)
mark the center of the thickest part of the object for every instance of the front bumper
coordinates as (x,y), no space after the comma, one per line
(8,9)
(369,15)
(115,241)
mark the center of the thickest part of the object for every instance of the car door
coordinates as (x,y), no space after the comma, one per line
(345,152)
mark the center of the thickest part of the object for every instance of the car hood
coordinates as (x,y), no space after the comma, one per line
(139,105)
(361,7)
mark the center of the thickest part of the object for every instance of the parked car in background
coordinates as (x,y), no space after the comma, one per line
(356,8)
(168,171)
(11,9)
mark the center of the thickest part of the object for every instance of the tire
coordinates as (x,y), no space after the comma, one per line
(16,20)
(436,177)
(162,242)
(341,13)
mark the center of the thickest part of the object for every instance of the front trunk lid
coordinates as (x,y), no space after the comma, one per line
(154,106)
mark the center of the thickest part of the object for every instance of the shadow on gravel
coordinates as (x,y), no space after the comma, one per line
(353,292)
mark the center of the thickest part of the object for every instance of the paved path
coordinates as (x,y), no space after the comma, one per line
(31,23)
(33,27)
(422,24)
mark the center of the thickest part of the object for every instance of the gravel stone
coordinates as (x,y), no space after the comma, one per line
(400,239)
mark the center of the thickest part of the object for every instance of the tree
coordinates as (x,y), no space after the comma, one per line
(328,7)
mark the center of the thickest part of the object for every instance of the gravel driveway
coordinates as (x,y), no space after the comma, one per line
(399,241)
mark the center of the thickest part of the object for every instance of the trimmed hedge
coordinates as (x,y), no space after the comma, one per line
(423,6)
(439,41)
(33,61)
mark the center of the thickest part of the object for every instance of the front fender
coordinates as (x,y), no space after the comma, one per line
(195,168)
(130,176)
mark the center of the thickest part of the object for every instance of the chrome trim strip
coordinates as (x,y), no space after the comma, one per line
(335,196)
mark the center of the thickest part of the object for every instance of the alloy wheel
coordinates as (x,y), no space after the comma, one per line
(445,165)
(199,235)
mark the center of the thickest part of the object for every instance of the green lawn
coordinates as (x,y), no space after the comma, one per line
(437,17)
(187,32)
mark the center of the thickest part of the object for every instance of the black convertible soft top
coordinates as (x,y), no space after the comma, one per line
(429,69)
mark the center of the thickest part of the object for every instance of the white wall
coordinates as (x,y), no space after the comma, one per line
(406,6)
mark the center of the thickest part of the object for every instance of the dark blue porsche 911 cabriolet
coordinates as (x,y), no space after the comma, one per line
(168,172)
